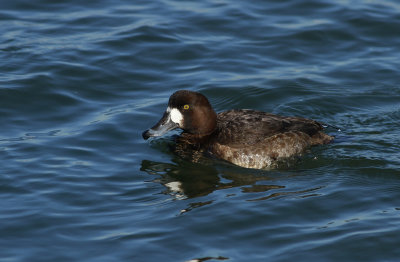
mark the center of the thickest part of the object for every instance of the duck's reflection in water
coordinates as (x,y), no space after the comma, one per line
(184,179)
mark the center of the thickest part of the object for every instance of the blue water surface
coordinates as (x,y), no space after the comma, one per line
(80,81)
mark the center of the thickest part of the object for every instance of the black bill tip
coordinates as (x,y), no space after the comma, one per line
(146,135)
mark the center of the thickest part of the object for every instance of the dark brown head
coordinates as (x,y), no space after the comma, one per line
(189,111)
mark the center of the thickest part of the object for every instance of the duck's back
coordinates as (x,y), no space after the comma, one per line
(257,139)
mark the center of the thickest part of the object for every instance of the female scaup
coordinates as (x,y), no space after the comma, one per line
(247,138)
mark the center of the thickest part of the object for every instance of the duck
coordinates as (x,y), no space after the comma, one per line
(244,137)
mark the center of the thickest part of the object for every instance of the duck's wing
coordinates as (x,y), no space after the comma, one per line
(251,127)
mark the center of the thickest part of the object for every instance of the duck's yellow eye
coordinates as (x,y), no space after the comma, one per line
(186,107)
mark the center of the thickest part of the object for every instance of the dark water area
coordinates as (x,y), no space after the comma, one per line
(80,81)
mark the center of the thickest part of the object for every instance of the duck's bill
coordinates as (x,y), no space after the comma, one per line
(163,126)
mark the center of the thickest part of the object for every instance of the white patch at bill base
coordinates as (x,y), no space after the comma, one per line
(176,116)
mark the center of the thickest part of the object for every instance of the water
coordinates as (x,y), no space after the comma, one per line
(80,81)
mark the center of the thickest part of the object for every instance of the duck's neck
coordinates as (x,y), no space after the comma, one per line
(203,123)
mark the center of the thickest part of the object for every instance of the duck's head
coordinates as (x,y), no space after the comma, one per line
(187,110)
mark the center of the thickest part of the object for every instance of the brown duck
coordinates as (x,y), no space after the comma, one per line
(247,138)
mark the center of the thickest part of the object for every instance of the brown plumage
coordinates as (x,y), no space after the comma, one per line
(247,138)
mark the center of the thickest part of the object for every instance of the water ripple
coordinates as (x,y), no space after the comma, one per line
(80,81)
